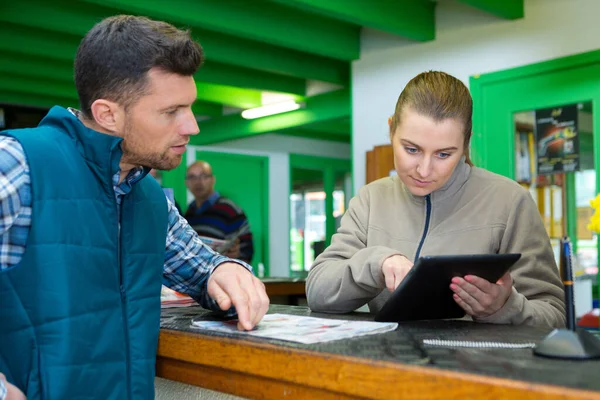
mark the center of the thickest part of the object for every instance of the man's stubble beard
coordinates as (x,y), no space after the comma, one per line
(134,154)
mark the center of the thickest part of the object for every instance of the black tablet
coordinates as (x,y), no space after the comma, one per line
(425,291)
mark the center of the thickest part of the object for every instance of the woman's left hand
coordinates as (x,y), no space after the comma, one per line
(480,298)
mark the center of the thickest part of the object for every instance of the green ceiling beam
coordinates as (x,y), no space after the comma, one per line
(414,19)
(15,82)
(26,24)
(225,74)
(229,95)
(207,92)
(44,87)
(332,137)
(55,52)
(200,108)
(328,106)
(508,9)
(48,101)
(36,67)
(28,41)
(337,130)
(341,126)
(45,101)
(35,100)
(267,23)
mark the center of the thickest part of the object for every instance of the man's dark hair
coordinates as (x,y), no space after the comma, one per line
(115,56)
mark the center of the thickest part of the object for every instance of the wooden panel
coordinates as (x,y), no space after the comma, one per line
(315,373)
(285,288)
(380,161)
(370,167)
(385,160)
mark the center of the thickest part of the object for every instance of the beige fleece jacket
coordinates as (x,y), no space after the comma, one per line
(476,212)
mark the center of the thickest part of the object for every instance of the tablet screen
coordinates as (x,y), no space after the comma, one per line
(425,291)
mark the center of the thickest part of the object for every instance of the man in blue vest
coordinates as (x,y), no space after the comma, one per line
(86,239)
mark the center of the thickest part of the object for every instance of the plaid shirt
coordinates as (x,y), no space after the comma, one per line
(2,391)
(188,262)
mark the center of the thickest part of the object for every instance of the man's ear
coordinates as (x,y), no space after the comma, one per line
(108,115)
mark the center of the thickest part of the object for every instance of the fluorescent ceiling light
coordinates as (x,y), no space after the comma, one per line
(271,109)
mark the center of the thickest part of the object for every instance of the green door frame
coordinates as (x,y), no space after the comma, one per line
(329,167)
(497,96)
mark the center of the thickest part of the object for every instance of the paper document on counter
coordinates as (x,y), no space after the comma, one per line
(296,328)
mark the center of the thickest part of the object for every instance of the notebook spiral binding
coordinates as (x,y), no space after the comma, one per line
(478,345)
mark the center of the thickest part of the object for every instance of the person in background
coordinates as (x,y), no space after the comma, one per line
(216,216)
(439,204)
(87,238)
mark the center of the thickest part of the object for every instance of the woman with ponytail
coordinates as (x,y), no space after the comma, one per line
(439,204)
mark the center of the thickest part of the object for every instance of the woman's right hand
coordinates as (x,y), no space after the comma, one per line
(394,270)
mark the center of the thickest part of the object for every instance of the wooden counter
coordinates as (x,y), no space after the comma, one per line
(391,365)
(288,291)
(284,286)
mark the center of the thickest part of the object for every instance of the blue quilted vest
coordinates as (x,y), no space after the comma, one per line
(79,316)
